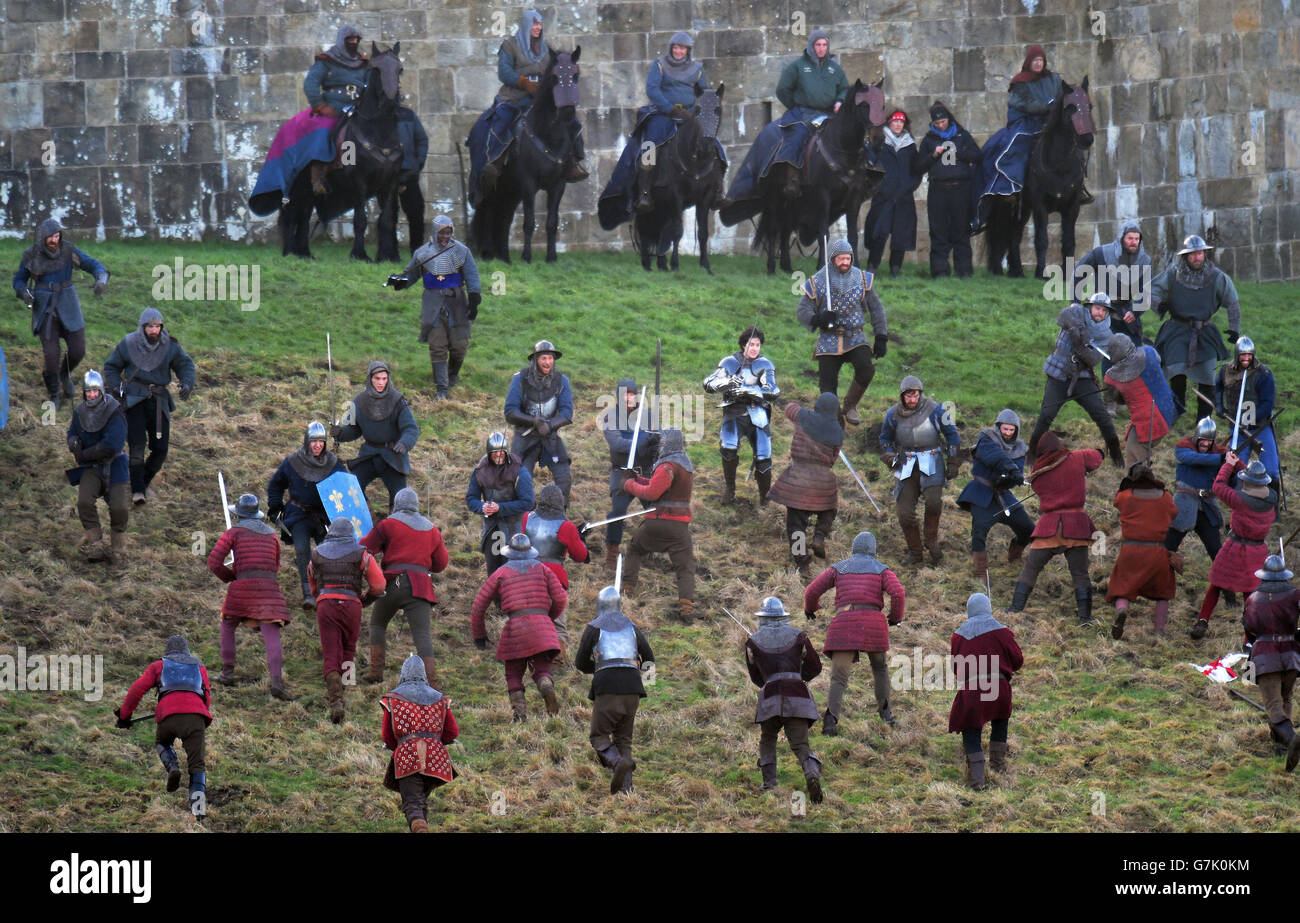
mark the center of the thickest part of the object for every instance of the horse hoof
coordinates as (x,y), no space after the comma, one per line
(1040,274)
(362,258)
(552,258)
(1015,273)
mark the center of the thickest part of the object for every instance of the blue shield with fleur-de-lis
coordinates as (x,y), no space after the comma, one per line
(341,495)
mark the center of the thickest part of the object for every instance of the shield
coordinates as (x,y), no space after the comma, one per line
(4,391)
(341,495)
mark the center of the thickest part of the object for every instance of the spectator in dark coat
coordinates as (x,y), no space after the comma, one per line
(951,157)
(892,215)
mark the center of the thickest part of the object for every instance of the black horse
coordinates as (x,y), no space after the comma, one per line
(688,173)
(367,163)
(836,178)
(540,158)
(1053,183)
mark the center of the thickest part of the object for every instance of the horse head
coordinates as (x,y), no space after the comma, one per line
(561,80)
(388,66)
(708,110)
(1076,107)
(869,103)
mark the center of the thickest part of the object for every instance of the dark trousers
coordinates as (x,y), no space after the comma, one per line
(373,466)
(415,790)
(796,734)
(612,717)
(398,597)
(303,531)
(984,518)
(339,624)
(620,502)
(89,491)
(189,728)
(1208,534)
(796,530)
(145,429)
(1086,394)
(949,208)
(1275,691)
(970,737)
(448,342)
(1178,384)
(411,199)
(1076,558)
(549,453)
(674,539)
(51,333)
(828,368)
(539,664)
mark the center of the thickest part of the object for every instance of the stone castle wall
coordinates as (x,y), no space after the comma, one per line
(151,117)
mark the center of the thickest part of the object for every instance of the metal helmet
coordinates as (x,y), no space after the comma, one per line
(496,442)
(520,547)
(609,600)
(772,612)
(841,247)
(911,383)
(1274,569)
(246,507)
(1255,474)
(1192,243)
(92,379)
(1100,298)
(316,431)
(544,346)
(1205,428)
(1243,345)
(1120,347)
(864,543)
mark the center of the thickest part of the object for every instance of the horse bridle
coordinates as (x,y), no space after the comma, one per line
(1081,119)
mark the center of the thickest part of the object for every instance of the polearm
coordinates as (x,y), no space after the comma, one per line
(636,430)
(602,522)
(225,509)
(1241,397)
(329,359)
(464,195)
(738,622)
(848,464)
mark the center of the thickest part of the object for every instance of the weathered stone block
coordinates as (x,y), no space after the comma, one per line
(671,15)
(1227,193)
(739,42)
(15,200)
(70,190)
(242,61)
(631,46)
(403,25)
(199,143)
(96,65)
(148,63)
(193,61)
(630,16)
(64,102)
(979,33)
(29,146)
(123,142)
(34,10)
(1043,29)
(200,96)
(1213,16)
(57,66)
(160,143)
(242,31)
(909,73)
(1131,104)
(174,197)
(6,151)
(866,66)
(79,146)
(968,70)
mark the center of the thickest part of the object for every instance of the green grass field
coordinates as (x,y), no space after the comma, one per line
(1107,735)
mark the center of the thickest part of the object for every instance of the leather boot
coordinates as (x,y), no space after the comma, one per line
(1283,733)
(53,389)
(172,765)
(577,173)
(769,776)
(280,691)
(1117,629)
(729,466)
(334,695)
(441,381)
(227,675)
(430,672)
(65,381)
(1015,551)
(375,672)
(1116,451)
(812,777)
(518,708)
(453,371)
(1199,629)
(118,553)
(1083,603)
(92,545)
(419,825)
(818,545)
(1020,596)
(546,686)
(979,565)
(622,773)
(932,537)
(611,558)
(318,178)
(308,600)
(851,399)
(998,755)
(915,552)
(975,771)
(764,481)
(804,566)
(830,724)
(886,715)
(199,795)
(644,182)
(685,610)
(609,756)
(1293,752)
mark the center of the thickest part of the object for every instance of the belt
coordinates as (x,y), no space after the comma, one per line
(413,568)
(1290,637)
(861,607)
(341,588)
(414,734)
(776,676)
(532,611)
(1195,491)
(1234,537)
(256,575)
(1130,541)
(620,662)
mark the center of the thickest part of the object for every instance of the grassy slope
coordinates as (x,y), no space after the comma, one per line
(1127,720)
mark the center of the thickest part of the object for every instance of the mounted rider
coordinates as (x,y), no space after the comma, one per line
(333,85)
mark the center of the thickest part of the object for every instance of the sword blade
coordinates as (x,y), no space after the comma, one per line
(601,522)
(848,464)
(737,621)
(1236,423)
(618,574)
(636,430)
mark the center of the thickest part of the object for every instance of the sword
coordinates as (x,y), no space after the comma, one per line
(636,429)
(618,575)
(601,522)
(1246,699)
(1006,510)
(329,359)
(148,717)
(738,622)
(1241,397)
(1103,352)
(844,458)
(225,509)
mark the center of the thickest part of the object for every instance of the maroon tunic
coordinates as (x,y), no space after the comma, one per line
(973,707)
(1061,486)
(1272,616)
(532,599)
(398,543)
(808,483)
(1235,565)
(250,598)
(1143,569)
(774,672)
(859,623)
